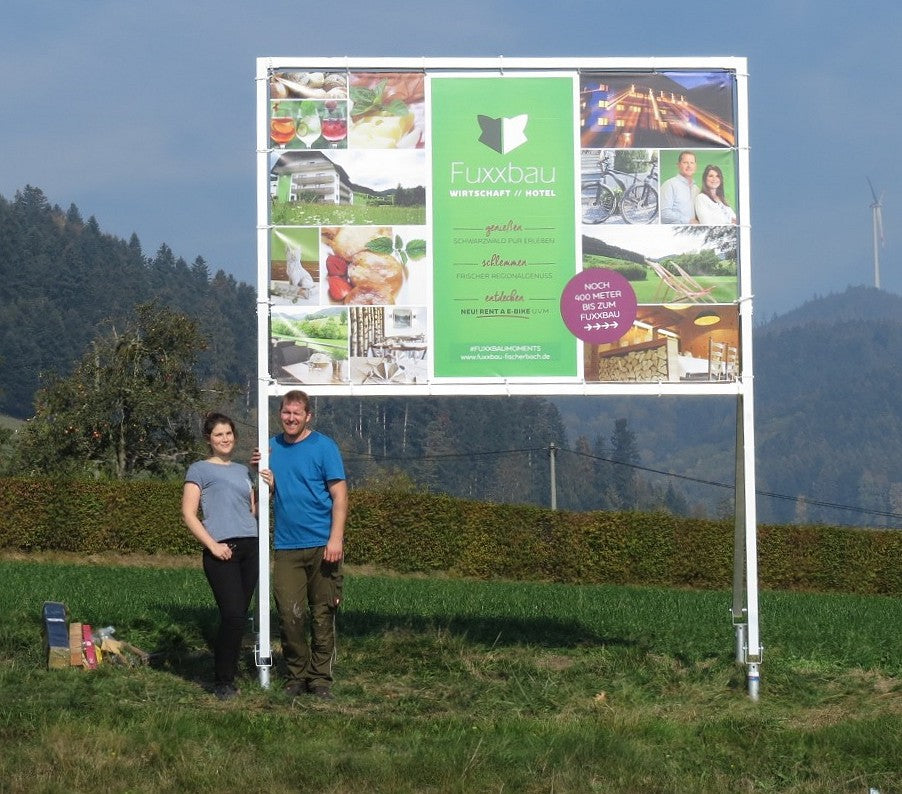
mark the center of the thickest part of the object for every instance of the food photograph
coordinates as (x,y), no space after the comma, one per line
(373,265)
(387,110)
(308,85)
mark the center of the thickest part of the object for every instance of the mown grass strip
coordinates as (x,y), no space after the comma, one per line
(452,685)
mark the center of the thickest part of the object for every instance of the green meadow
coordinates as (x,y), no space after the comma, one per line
(454,685)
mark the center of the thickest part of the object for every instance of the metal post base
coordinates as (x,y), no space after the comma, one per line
(741,645)
(263,666)
(754,681)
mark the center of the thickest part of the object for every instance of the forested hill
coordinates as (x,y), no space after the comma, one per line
(828,416)
(827,386)
(856,304)
(61,278)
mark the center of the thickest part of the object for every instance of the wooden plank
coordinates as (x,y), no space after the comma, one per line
(75,659)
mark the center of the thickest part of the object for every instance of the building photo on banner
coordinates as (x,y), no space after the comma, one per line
(453,226)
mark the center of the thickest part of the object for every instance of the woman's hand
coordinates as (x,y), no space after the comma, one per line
(221,551)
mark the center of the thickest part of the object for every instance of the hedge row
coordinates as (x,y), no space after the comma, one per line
(411,532)
(93,517)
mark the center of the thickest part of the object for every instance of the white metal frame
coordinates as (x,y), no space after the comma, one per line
(745,574)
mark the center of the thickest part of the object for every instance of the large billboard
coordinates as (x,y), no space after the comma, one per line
(510,226)
(471,226)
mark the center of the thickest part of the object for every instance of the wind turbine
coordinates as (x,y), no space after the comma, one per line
(877,212)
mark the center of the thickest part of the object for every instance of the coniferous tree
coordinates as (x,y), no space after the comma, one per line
(674,502)
(625,454)
(61,277)
(578,482)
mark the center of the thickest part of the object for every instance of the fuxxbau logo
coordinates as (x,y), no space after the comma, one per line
(503,135)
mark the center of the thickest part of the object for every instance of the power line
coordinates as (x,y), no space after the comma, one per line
(446,455)
(714,483)
(771,494)
(650,470)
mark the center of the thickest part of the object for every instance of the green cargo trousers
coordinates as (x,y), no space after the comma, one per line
(303,582)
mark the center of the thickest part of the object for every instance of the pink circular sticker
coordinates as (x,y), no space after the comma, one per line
(598,305)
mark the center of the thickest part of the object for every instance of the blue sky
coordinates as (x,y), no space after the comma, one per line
(143,114)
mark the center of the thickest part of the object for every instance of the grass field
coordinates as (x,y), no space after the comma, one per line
(652,290)
(447,685)
(359,214)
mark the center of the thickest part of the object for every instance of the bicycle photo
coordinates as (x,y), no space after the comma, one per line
(620,186)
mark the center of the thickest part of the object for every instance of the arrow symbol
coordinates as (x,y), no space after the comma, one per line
(600,326)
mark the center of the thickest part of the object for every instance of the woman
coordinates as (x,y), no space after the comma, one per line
(228,532)
(711,207)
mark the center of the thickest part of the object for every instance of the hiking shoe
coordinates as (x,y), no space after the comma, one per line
(296,688)
(226,691)
(322,692)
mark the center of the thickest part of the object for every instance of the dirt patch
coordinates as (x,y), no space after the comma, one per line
(554,662)
(192,561)
(125,560)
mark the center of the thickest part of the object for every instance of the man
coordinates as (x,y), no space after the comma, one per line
(307,477)
(678,193)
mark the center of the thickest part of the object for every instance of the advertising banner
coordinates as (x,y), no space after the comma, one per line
(550,226)
(503,225)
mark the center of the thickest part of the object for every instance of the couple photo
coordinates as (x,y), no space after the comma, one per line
(687,198)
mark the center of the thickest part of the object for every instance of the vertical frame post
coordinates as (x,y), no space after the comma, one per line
(746,517)
(263,651)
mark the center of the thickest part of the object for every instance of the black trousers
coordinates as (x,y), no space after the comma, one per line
(233,583)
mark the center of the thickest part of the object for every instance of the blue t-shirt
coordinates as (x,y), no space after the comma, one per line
(225,498)
(302,502)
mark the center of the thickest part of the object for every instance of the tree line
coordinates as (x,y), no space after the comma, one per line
(63,280)
(75,303)
(114,356)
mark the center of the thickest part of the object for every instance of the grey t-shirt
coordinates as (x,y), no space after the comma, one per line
(225,498)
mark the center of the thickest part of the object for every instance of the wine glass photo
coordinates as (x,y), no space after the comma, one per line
(308,125)
(281,125)
(335,123)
